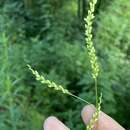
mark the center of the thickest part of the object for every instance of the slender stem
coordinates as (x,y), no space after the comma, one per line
(78,98)
(96,92)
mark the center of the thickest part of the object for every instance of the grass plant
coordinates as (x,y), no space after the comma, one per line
(94,65)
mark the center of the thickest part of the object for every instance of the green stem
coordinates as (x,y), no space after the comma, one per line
(96,92)
(78,98)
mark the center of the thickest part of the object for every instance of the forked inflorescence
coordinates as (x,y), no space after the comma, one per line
(94,65)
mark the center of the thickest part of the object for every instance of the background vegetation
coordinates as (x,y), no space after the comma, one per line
(49,35)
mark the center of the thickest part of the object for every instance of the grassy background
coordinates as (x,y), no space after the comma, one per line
(49,35)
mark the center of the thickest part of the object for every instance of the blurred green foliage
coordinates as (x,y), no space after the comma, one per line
(49,36)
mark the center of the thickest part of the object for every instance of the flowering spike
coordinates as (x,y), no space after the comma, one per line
(89,41)
(53,85)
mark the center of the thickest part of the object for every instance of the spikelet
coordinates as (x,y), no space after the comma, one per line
(48,82)
(89,41)
(95,115)
(53,85)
